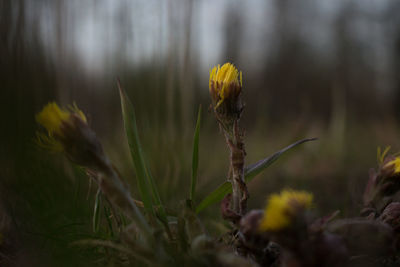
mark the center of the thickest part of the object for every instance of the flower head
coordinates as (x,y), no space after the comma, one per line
(54,119)
(68,132)
(383,183)
(225,86)
(393,165)
(283,207)
(224,82)
(389,164)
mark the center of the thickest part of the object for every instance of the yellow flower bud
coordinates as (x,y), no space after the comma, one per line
(393,165)
(68,132)
(224,82)
(53,119)
(283,207)
(225,86)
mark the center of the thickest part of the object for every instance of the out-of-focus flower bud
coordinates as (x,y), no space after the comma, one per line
(249,232)
(225,87)
(364,237)
(383,185)
(282,209)
(68,132)
(391,215)
(328,250)
(391,166)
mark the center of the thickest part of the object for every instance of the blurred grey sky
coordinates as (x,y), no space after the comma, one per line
(92,29)
(296,54)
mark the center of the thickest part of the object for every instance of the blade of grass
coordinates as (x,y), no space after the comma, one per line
(215,196)
(96,212)
(159,207)
(147,183)
(250,172)
(160,210)
(195,157)
(132,135)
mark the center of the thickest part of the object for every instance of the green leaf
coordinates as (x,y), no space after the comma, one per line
(96,212)
(132,134)
(147,186)
(250,172)
(254,169)
(195,156)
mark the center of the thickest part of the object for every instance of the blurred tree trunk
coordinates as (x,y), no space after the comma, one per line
(396,58)
(25,74)
(233,34)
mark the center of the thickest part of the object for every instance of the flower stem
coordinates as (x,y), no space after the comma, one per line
(237,155)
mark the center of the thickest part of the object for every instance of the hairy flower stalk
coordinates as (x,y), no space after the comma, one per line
(68,132)
(225,86)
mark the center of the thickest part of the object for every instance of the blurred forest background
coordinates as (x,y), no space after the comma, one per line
(327,69)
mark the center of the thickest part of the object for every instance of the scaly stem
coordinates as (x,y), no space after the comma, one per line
(237,154)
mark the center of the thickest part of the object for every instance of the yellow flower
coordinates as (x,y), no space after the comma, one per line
(224,81)
(283,207)
(395,164)
(52,118)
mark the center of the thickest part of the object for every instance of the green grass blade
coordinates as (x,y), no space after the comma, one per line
(215,196)
(96,212)
(195,156)
(132,134)
(250,172)
(160,210)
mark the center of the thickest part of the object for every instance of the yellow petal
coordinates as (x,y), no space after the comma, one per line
(51,118)
(278,212)
(223,77)
(395,163)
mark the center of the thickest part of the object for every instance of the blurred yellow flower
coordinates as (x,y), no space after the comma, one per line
(52,118)
(282,207)
(223,81)
(395,164)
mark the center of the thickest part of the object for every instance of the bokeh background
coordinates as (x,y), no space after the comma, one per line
(326,69)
